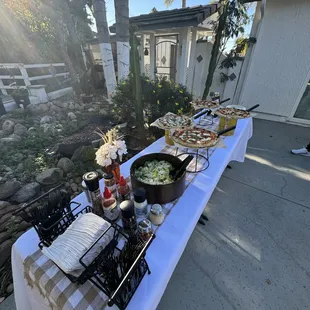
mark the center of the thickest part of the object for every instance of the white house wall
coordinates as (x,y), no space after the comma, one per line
(201,71)
(280,61)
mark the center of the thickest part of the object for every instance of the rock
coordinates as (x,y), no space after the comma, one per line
(19,112)
(60,104)
(45,120)
(50,176)
(19,168)
(68,150)
(4,204)
(8,126)
(43,107)
(74,187)
(84,154)
(11,139)
(71,106)
(48,128)
(10,288)
(78,180)
(8,189)
(20,129)
(33,109)
(18,157)
(91,110)
(5,219)
(5,250)
(2,134)
(71,115)
(65,164)
(103,112)
(27,192)
(4,236)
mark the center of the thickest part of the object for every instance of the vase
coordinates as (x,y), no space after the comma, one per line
(114,168)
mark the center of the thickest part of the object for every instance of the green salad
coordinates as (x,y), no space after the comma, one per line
(155,172)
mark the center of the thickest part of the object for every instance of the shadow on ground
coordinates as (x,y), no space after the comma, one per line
(253,253)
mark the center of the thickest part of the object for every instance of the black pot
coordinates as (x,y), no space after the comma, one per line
(87,98)
(158,193)
(21,99)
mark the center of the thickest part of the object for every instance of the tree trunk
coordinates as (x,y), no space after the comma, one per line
(105,45)
(135,70)
(183,3)
(216,49)
(122,37)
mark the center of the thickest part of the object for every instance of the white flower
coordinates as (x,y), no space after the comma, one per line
(121,148)
(105,154)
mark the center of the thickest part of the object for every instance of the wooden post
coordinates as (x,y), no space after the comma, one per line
(141,52)
(192,61)
(182,65)
(152,56)
(24,73)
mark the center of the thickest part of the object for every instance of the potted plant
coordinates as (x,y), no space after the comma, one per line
(20,96)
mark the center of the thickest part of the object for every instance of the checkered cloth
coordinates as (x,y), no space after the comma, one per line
(58,290)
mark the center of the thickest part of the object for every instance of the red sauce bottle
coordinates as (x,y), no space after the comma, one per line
(123,190)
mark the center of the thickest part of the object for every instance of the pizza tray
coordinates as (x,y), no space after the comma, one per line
(158,125)
(238,117)
(197,106)
(218,143)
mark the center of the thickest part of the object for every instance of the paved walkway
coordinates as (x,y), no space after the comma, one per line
(254,253)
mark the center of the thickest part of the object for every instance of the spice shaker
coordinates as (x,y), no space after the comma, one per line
(140,202)
(109,204)
(110,183)
(123,190)
(145,229)
(128,217)
(157,215)
(91,180)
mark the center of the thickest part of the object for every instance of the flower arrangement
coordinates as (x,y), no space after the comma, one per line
(112,150)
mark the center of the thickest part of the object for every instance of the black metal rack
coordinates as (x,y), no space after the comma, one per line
(120,266)
(196,155)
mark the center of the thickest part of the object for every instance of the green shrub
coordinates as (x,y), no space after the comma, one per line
(159,97)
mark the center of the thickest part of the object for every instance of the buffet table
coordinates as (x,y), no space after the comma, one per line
(166,249)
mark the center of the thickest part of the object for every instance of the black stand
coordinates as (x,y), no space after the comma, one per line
(196,156)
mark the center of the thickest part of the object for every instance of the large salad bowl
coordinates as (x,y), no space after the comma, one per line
(158,193)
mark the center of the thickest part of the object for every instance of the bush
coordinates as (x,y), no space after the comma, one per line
(159,97)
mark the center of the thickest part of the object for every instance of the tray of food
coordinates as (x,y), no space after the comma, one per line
(172,121)
(235,112)
(198,138)
(205,104)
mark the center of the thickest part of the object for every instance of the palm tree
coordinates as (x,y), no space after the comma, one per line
(99,8)
(169,2)
(122,37)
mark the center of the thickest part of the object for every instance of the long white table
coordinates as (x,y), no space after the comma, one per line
(171,239)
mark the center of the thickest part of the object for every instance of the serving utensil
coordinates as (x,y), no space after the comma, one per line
(179,170)
(254,107)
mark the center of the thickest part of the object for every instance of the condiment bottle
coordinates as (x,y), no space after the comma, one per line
(109,204)
(123,190)
(109,182)
(91,180)
(157,215)
(140,202)
(128,217)
(145,229)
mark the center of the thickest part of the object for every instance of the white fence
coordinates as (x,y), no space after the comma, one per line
(37,93)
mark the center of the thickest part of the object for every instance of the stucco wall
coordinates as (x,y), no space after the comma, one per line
(280,62)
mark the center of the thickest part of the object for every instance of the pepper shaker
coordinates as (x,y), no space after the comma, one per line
(129,219)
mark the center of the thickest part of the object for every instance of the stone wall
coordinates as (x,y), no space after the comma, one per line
(34,157)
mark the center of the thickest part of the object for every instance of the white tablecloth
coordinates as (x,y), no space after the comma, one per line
(171,239)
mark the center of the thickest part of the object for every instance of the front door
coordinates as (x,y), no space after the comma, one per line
(166,56)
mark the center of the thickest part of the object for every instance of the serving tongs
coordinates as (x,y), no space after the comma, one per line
(208,111)
(178,171)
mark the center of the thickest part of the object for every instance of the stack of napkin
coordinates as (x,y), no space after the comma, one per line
(69,247)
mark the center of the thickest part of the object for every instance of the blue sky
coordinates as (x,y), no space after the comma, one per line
(138,7)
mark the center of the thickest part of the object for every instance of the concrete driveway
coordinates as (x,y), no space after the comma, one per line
(254,253)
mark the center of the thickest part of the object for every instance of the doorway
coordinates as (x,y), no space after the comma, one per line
(166,56)
(303,109)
